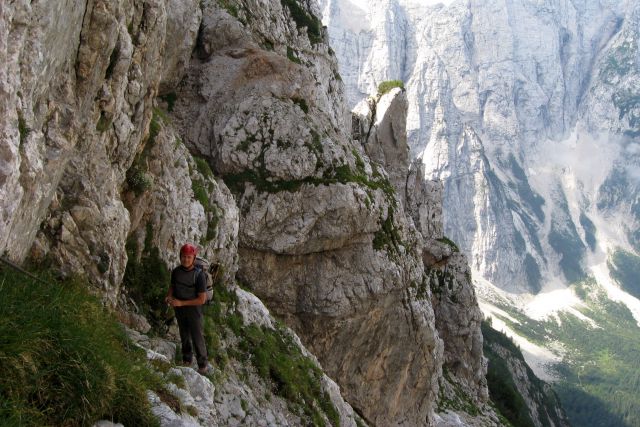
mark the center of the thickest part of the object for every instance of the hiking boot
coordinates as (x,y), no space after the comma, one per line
(186,364)
(207,369)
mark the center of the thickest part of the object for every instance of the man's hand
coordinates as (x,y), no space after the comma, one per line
(173,302)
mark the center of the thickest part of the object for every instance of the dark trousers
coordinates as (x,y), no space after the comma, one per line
(190,324)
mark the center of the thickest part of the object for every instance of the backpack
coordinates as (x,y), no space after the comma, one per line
(204,266)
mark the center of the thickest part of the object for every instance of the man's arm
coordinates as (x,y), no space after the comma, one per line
(200,300)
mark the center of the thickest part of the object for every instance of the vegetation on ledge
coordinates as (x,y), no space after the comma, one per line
(386,86)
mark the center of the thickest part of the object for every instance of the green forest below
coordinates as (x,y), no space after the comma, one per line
(599,377)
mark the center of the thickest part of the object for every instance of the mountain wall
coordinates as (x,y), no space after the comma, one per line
(130,127)
(510,103)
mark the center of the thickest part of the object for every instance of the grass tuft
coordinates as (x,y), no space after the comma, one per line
(386,86)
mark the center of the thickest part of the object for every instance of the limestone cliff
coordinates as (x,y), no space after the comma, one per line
(131,126)
(508,102)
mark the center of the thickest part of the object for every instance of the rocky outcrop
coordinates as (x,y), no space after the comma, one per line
(424,202)
(237,396)
(458,317)
(323,239)
(380,124)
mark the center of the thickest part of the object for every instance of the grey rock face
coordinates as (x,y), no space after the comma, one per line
(447,274)
(173,211)
(458,320)
(500,106)
(424,202)
(39,42)
(91,145)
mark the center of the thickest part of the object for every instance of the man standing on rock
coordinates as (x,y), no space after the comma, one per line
(187,295)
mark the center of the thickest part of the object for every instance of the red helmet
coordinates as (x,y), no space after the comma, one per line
(188,249)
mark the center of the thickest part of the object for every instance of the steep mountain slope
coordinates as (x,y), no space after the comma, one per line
(498,90)
(130,127)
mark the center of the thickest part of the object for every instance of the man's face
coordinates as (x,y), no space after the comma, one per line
(187,260)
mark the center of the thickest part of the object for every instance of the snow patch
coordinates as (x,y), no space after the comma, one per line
(546,304)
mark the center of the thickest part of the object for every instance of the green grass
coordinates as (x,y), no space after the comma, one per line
(386,86)
(155,126)
(332,175)
(138,180)
(293,376)
(459,401)
(388,236)
(22,128)
(231,8)
(65,360)
(449,242)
